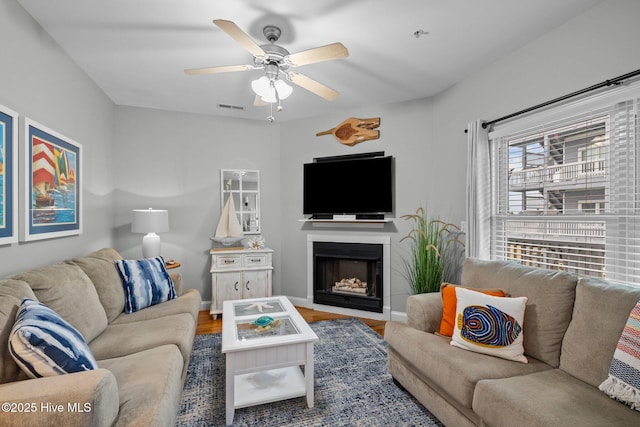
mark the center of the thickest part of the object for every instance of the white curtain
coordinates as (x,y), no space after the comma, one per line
(478,192)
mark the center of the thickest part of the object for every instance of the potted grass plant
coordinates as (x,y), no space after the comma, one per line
(436,252)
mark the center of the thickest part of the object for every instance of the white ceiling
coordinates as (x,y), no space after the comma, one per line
(136,50)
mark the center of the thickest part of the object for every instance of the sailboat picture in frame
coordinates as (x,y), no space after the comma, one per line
(52,184)
(8,176)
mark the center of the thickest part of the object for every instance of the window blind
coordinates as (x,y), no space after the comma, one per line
(566,190)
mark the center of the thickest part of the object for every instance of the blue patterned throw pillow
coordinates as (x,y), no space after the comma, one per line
(43,344)
(146,283)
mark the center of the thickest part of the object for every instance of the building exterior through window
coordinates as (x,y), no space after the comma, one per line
(565,195)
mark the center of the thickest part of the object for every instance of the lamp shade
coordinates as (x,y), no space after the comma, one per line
(150,221)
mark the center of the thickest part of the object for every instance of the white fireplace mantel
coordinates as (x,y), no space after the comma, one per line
(385,241)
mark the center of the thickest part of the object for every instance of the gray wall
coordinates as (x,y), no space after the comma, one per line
(405,131)
(39,81)
(169,160)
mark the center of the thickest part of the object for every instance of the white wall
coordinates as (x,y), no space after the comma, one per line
(169,160)
(38,80)
(427,137)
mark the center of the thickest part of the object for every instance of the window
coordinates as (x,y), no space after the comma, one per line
(592,157)
(565,189)
(591,206)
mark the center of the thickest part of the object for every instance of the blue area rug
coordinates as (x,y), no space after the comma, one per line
(352,386)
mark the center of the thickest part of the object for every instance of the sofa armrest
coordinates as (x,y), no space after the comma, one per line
(424,311)
(87,398)
(177,283)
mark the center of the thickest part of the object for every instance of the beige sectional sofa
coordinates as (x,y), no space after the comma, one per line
(142,356)
(571,328)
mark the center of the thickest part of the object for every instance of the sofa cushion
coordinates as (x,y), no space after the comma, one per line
(188,302)
(43,344)
(149,386)
(146,283)
(623,382)
(12,292)
(102,271)
(88,398)
(68,291)
(128,338)
(449,302)
(489,325)
(550,301)
(601,310)
(549,398)
(449,368)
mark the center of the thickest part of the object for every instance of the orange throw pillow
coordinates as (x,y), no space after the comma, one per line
(449,302)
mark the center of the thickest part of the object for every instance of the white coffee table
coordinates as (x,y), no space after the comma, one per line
(263,364)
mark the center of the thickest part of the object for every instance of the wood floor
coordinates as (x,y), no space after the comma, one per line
(206,325)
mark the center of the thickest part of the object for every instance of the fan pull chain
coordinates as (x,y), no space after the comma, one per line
(271,118)
(278,108)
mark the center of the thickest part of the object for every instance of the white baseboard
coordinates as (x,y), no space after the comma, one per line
(397,316)
(300,302)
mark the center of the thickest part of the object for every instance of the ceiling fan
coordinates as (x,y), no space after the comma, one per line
(276,62)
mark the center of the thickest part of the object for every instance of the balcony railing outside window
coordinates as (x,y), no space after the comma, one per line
(566,192)
(557,173)
(557,229)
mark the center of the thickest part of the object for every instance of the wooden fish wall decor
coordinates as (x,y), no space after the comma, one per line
(354,131)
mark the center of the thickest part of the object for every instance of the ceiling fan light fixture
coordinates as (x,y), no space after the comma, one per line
(261,86)
(275,60)
(270,96)
(265,90)
(284,90)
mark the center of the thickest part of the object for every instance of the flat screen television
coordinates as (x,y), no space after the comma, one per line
(361,185)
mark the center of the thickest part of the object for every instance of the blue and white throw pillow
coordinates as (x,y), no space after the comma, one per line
(146,282)
(43,344)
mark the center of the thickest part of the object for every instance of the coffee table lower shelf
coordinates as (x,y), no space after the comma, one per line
(256,388)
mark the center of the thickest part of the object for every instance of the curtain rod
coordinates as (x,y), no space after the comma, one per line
(611,82)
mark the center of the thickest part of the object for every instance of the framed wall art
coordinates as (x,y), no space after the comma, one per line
(8,176)
(52,184)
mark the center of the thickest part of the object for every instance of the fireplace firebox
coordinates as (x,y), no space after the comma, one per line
(348,275)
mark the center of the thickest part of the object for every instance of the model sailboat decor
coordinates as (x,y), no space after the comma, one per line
(229,231)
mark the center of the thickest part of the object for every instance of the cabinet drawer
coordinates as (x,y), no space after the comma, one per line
(229,261)
(257,260)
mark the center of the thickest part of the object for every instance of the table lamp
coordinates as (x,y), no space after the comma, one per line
(150,221)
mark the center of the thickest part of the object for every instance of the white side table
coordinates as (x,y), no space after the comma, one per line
(263,365)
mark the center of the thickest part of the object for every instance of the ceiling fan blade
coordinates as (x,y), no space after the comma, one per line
(318,54)
(259,102)
(215,70)
(240,36)
(313,86)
